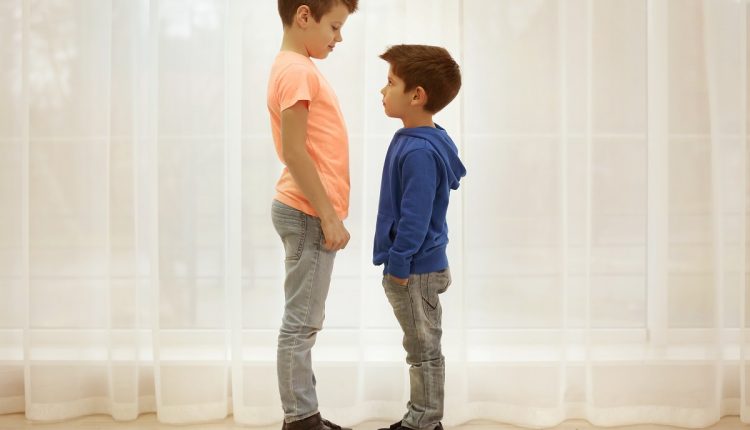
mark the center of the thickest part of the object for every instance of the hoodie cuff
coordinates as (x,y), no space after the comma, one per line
(399,269)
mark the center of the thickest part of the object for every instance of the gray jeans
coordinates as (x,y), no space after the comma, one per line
(417,308)
(308,275)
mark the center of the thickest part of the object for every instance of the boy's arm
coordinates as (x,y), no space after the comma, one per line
(418,184)
(302,168)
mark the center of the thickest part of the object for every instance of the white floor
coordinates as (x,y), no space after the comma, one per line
(148,422)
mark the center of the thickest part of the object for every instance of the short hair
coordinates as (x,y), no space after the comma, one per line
(430,67)
(318,8)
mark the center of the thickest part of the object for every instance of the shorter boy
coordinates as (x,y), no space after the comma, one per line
(411,235)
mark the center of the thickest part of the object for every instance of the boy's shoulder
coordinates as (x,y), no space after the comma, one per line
(410,142)
(288,63)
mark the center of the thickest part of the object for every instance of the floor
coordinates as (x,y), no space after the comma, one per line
(148,422)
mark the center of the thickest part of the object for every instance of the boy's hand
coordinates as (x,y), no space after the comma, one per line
(335,235)
(400,281)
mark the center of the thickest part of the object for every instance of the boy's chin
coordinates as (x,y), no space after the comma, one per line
(320,55)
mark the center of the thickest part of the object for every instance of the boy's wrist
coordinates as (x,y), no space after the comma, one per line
(330,216)
(399,281)
(398,268)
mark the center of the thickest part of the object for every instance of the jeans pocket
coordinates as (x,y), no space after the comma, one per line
(430,285)
(443,279)
(291,225)
(398,297)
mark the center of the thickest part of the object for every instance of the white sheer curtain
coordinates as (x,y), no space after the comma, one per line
(598,244)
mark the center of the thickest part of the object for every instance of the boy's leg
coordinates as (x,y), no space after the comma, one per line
(417,308)
(308,276)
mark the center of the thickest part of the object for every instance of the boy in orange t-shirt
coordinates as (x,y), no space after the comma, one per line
(312,195)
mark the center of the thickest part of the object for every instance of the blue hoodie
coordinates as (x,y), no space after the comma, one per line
(421,167)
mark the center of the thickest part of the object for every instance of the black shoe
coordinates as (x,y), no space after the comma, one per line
(395,426)
(327,425)
(310,423)
(398,426)
(314,422)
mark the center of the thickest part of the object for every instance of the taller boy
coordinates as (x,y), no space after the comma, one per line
(421,168)
(312,198)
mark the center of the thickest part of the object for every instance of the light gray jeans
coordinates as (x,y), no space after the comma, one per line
(308,275)
(417,308)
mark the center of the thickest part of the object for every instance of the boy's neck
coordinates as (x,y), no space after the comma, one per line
(418,119)
(292,44)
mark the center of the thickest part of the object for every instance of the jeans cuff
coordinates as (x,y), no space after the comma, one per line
(289,420)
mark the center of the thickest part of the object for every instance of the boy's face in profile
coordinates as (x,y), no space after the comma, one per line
(321,37)
(396,102)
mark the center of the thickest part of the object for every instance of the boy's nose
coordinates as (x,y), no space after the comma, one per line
(339,37)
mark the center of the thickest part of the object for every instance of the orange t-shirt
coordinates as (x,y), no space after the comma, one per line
(294,77)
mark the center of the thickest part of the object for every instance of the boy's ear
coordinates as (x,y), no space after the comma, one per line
(419,97)
(303,15)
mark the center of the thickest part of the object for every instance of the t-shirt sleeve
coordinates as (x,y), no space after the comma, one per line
(296,83)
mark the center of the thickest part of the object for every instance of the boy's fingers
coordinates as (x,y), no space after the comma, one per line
(332,246)
(338,243)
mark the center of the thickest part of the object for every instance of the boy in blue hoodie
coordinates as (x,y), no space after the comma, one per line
(421,168)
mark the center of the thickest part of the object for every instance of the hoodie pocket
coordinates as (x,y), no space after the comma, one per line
(385,229)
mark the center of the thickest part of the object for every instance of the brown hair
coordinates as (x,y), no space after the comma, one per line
(318,8)
(430,67)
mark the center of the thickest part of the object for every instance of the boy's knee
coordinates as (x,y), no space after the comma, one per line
(300,331)
(432,355)
(427,361)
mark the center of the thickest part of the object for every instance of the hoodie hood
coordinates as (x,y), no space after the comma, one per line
(443,144)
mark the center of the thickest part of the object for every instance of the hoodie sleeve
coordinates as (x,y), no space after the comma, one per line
(418,184)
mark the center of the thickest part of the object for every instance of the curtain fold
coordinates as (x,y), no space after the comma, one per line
(598,243)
